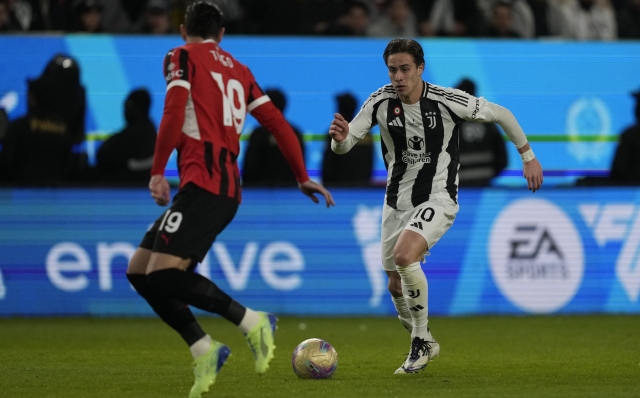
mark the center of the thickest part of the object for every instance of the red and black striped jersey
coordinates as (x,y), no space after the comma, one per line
(209,94)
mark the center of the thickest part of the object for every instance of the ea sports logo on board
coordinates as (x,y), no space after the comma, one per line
(415,143)
(536,256)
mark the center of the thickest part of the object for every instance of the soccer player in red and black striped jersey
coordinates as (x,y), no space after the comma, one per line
(208,96)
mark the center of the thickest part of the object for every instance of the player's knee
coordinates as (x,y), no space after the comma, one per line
(403,259)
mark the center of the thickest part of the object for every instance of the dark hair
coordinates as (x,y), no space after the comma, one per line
(203,19)
(408,46)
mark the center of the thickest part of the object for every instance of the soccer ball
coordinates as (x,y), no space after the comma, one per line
(314,359)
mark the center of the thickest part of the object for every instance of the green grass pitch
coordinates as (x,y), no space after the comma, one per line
(570,356)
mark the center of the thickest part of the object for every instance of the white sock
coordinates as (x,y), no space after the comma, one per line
(249,321)
(200,347)
(403,311)
(415,291)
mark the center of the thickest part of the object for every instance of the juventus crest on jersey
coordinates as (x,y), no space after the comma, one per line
(419,141)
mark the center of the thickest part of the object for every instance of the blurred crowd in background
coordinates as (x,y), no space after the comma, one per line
(566,19)
(41,147)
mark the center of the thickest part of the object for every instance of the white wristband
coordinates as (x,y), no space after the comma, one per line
(527,156)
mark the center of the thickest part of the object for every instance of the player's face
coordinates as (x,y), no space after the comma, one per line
(405,75)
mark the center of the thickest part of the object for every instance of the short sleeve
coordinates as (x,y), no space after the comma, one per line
(178,70)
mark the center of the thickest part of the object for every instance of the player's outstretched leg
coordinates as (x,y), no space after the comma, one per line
(207,366)
(200,292)
(260,340)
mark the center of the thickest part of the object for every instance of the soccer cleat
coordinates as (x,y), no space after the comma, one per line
(207,366)
(422,351)
(260,340)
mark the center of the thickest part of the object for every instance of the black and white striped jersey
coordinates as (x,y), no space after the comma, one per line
(419,141)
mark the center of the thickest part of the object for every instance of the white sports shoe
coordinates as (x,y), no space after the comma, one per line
(422,351)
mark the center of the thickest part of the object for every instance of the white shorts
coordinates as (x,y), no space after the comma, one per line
(430,219)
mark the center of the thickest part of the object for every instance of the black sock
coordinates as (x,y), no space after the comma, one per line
(198,291)
(174,313)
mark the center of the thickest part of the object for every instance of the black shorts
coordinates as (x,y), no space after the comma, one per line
(192,223)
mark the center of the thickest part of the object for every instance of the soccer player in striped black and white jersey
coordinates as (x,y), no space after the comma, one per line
(418,128)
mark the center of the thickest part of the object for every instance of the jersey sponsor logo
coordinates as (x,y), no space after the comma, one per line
(416,143)
(413,158)
(414,123)
(174,73)
(396,122)
(223,59)
(476,110)
(536,256)
(431,119)
(414,154)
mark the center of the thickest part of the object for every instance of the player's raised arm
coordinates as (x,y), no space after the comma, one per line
(270,117)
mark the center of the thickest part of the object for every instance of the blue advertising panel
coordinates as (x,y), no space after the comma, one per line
(509,252)
(572,98)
